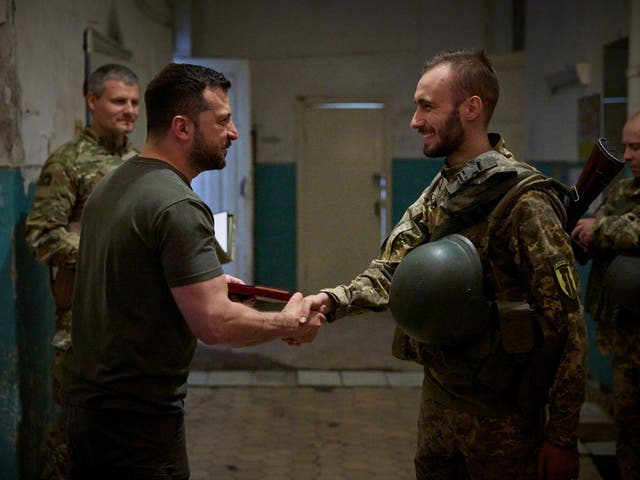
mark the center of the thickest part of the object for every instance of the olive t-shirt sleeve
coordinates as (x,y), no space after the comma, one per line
(185,237)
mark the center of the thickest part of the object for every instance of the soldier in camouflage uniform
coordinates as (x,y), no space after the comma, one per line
(615,229)
(473,424)
(66,180)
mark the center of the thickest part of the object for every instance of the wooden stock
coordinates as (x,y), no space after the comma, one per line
(601,167)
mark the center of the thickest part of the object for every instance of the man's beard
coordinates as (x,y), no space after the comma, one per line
(451,141)
(204,157)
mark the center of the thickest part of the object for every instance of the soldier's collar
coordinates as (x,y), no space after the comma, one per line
(495,140)
(472,169)
(108,145)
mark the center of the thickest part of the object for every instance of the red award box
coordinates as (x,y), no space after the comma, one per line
(260,292)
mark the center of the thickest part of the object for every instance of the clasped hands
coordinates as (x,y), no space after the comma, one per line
(305,313)
(312,309)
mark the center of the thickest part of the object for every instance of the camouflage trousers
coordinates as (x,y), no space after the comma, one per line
(455,445)
(57,462)
(626,394)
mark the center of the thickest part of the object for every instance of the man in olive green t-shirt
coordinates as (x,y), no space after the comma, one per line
(149,283)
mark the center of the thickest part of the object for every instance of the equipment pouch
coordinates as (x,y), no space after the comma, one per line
(516,324)
(539,373)
(497,371)
(403,348)
(510,345)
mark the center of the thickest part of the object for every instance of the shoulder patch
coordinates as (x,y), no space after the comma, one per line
(564,277)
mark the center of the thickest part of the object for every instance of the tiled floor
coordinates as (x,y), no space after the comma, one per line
(340,408)
(305,378)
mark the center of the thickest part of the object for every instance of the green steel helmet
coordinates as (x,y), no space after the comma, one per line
(437,294)
(622,282)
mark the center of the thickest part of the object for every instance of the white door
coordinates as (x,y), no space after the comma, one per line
(231,189)
(341,191)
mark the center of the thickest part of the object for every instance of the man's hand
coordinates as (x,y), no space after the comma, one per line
(557,463)
(309,321)
(583,232)
(316,306)
(249,301)
(320,302)
(232,279)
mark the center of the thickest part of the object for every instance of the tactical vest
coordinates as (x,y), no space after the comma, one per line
(518,355)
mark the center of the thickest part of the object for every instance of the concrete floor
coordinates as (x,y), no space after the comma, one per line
(339,408)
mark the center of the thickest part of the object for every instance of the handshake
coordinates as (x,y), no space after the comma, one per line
(300,318)
(311,312)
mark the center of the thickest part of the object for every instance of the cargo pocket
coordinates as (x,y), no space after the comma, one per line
(510,347)
(539,373)
(403,348)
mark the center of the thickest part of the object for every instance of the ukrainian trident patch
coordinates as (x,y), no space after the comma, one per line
(564,276)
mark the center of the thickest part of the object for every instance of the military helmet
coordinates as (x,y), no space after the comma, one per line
(437,294)
(622,281)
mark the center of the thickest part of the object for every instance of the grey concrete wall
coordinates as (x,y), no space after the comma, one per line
(375,48)
(562,33)
(356,49)
(41,107)
(10,142)
(51,63)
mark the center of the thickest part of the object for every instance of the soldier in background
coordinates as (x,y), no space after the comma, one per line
(150,284)
(473,423)
(615,230)
(66,180)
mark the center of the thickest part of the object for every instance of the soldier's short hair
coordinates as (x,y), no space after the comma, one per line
(111,71)
(178,90)
(473,74)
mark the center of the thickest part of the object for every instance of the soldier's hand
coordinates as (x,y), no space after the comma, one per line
(582,232)
(557,463)
(320,302)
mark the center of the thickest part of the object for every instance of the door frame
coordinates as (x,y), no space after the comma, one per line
(302,104)
(235,181)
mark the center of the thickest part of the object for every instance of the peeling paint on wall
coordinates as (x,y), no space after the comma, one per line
(7,94)
(10,418)
(26,329)
(37,114)
(29,177)
(11,150)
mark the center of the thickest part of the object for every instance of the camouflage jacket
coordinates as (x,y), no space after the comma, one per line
(66,180)
(616,230)
(525,255)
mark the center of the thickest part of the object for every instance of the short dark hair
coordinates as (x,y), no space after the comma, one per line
(473,74)
(111,71)
(178,90)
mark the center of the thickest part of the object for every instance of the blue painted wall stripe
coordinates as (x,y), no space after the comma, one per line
(26,329)
(276,225)
(9,353)
(275,255)
(410,178)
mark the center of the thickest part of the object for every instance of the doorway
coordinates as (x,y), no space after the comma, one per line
(341,190)
(231,189)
